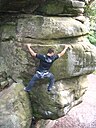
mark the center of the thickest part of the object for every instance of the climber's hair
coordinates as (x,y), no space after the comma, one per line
(50,50)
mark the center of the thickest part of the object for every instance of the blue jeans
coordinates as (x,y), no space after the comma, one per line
(41,75)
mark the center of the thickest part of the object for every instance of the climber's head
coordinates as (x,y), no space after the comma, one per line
(50,52)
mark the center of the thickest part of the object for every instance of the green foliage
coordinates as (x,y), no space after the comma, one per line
(91,13)
(92,37)
(90,10)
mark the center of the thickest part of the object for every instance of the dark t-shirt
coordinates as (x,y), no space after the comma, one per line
(45,61)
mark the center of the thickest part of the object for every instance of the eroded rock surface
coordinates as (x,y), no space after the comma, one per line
(81,116)
(64,95)
(15,107)
(54,26)
(43,33)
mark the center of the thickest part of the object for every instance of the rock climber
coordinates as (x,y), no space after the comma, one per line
(42,71)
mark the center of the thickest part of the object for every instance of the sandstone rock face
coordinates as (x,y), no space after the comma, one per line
(67,26)
(50,7)
(66,7)
(43,33)
(15,108)
(21,5)
(64,95)
(81,116)
(40,27)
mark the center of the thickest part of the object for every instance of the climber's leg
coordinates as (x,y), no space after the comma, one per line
(52,80)
(32,82)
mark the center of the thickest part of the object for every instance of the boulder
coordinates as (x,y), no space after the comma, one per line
(19,6)
(40,27)
(81,116)
(50,7)
(15,107)
(67,7)
(57,103)
(43,33)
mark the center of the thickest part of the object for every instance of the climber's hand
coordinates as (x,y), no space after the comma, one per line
(67,46)
(28,45)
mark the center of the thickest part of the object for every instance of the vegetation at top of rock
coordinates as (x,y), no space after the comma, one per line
(91,12)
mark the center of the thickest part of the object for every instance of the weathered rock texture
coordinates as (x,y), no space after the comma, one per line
(49,7)
(43,31)
(65,94)
(15,108)
(81,116)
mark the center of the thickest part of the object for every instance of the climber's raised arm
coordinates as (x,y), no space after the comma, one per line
(31,50)
(63,52)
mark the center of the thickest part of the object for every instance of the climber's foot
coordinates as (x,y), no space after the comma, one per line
(49,89)
(26,90)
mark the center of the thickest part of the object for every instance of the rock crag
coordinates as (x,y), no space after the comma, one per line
(44,24)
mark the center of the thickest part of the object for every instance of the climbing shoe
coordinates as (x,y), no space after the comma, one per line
(26,89)
(49,89)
